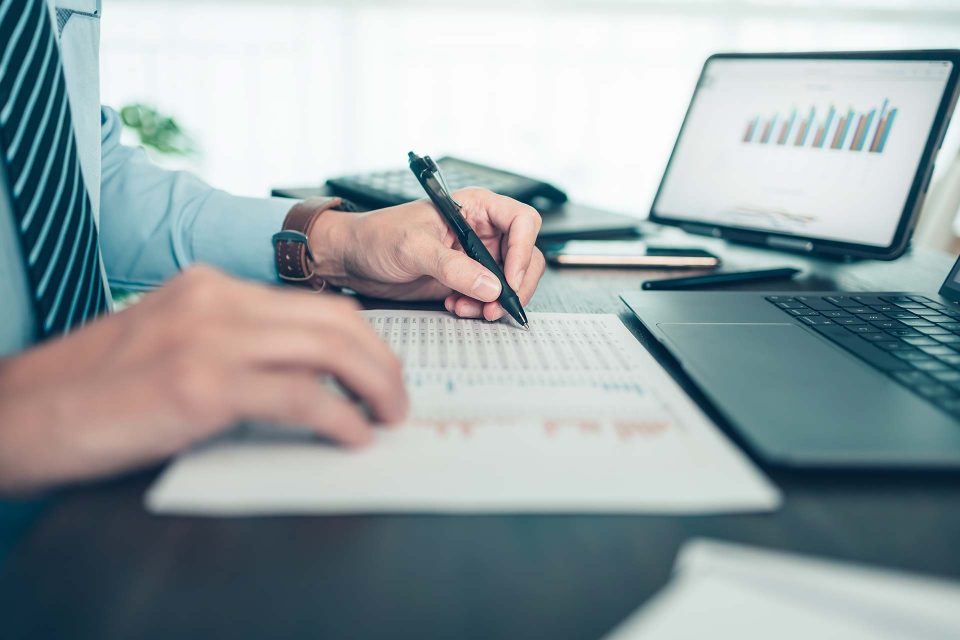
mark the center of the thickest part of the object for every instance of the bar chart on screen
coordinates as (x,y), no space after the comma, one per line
(824,128)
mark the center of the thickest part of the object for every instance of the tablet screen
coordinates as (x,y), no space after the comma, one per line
(824,149)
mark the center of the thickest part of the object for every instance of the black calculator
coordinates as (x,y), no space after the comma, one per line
(388,188)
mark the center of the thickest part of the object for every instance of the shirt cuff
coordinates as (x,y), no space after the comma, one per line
(235,234)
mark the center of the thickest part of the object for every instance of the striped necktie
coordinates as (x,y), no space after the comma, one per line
(50,202)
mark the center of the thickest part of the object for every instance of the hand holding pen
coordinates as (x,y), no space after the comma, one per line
(428,174)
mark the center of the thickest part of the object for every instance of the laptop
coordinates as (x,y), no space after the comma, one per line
(825,154)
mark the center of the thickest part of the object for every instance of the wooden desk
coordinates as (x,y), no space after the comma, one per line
(98,566)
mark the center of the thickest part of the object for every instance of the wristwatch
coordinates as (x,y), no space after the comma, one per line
(295,257)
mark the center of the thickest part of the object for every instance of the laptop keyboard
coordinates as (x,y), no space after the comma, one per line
(912,339)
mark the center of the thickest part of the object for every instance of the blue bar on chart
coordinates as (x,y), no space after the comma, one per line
(821,136)
(785,128)
(805,128)
(849,132)
(842,128)
(863,125)
(883,129)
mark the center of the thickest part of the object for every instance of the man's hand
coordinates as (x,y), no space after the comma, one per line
(408,252)
(191,359)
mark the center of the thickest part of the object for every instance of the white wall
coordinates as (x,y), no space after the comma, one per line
(586,94)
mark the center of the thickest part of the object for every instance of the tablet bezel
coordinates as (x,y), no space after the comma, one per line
(812,245)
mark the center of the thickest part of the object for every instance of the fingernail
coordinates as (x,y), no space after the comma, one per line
(486,287)
(469,309)
(448,304)
(520,275)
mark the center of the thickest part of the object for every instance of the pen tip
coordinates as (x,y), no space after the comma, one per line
(526,326)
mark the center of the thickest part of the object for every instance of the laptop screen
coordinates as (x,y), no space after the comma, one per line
(818,148)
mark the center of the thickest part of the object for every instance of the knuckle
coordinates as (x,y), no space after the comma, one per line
(533,213)
(538,258)
(198,391)
(448,266)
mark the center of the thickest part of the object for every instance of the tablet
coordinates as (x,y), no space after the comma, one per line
(827,153)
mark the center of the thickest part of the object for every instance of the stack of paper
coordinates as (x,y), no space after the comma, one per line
(572,416)
(729,591)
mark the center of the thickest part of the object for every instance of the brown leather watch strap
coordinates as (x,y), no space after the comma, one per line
(295,257)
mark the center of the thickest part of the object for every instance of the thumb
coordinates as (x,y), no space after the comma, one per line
(456,270)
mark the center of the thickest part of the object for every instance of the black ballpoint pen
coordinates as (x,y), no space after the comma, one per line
(734,277)
(430,178)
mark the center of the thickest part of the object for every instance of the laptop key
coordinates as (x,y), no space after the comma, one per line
(817,320)
(953,361)
(872,317)
(863,328)
(949,375)
(888,346)
(917,322)
(849,321)
(932,331)
(879,337)
(950,338)
(902,315)
(802,312)
(933,391)
(842,301)
(939,350)
(912,378)
(928,365)
(836,313)
(913,356)
(895,299)
(889,324)
(815,302)
(904,333)
(921,342)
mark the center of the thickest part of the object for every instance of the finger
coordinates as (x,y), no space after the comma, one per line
(299,399)
(370,376)
(282,309)
(493,311)
(467,307)
(519,223)
(456,270)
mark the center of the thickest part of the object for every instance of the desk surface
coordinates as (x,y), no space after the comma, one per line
(97,565)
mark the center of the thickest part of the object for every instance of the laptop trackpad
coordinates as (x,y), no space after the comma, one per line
(794,393)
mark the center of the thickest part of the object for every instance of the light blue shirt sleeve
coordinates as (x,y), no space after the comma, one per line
(155,222)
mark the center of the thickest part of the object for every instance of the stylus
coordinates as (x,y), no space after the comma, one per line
(736,277)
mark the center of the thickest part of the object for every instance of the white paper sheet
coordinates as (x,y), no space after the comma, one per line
(722,590)
(572,416)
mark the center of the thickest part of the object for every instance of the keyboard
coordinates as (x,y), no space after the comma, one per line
(389,188)
(912,339)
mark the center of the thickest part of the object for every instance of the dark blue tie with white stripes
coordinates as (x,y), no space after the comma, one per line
(51,206)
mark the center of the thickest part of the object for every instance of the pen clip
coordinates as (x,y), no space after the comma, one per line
(435,170)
